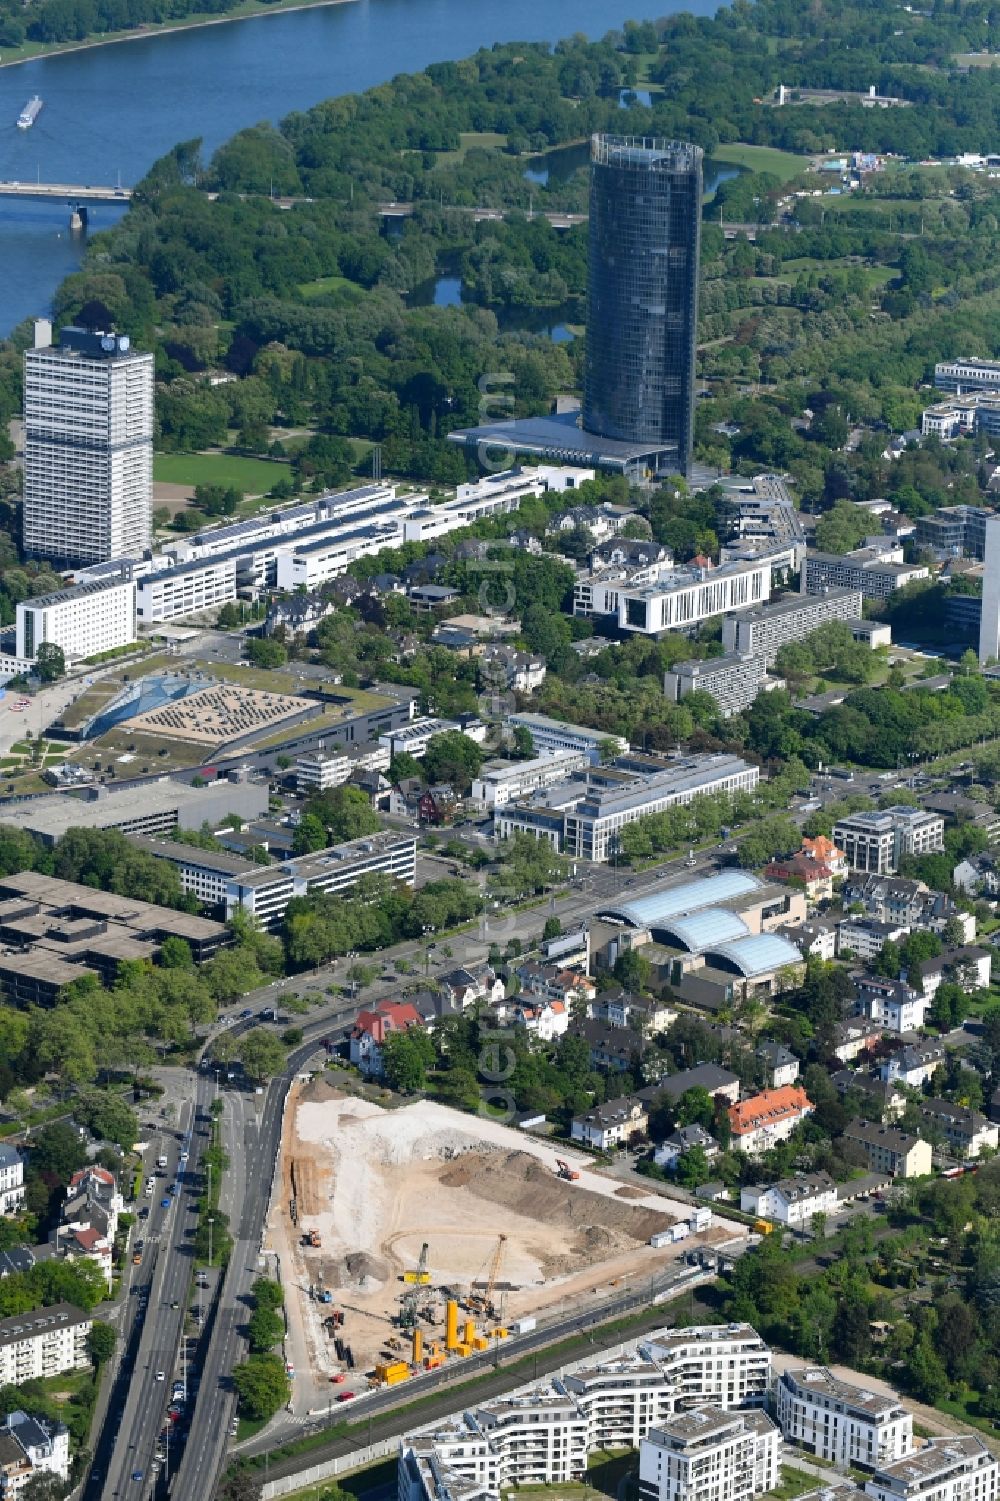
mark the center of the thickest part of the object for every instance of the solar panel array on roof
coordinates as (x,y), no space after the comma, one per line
(705,929)
(757,955)
(674,901)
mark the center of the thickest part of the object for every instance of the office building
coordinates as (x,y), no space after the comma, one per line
(43,1343)
(956,1467)
(264,891)
(876,842)
(679,599)
(967,375)
(152,807)
(763,631)
(978,413)
(729,1456)
(989,620)
(88,447)
(498,785)
(642,293)
(583,817)
(844,1425)
(867,569)
(321,770)
(733,680)
(84,621)
(548,735)
(888,1150)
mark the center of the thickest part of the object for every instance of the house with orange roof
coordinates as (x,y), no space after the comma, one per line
(825,852)
(373,1026)
(759,1123)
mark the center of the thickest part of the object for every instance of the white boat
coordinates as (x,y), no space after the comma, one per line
(30,113)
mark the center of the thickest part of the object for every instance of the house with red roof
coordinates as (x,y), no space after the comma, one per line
(373,1026)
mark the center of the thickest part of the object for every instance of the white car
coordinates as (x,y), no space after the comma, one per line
(160,1376)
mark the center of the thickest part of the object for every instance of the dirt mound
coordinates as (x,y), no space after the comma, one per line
(625,1192)
(519,1182)
(358,1269)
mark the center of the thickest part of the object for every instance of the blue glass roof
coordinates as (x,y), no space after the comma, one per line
(757,955)
(692,896)
(705,929)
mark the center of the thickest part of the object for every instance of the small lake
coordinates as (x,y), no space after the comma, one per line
(557,166)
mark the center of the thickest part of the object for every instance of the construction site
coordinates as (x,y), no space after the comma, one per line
(412,1237)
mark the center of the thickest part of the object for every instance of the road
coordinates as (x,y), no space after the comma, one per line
(152,1319)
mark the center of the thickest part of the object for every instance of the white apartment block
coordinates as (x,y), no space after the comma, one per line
(30,1446)
(319,771)
(704,1453)
(876,842)
(498,785)
(542,1434)
(958,1467)
(550,735)
(85,620)
(967,375)
(413,739)
(88,446)
(733,680)
(43,1343)
(791,1201)
(848,1426)
(764,631)
(264,891)
(11,1180)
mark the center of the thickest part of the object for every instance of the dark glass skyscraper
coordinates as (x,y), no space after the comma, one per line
(642,293)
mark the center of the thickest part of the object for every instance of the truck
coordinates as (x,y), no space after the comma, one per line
(162,1162)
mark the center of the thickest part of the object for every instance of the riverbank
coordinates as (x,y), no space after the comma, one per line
(29,52)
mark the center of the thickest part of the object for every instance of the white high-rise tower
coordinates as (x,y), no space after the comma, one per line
(989,620)
(88,447)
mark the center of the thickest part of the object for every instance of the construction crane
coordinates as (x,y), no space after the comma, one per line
(484,1300)
(421,1276)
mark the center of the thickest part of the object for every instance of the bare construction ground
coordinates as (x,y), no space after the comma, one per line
(376,1184)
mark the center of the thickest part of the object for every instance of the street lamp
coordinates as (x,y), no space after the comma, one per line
(211,1222)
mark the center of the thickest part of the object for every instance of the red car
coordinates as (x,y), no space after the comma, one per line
(344,1396)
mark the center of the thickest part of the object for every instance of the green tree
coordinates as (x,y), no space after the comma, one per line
(452,757)
(264,1329)
(264,651)
(406,1057)
(695,1108)
(261,1054)
(262,1386)
(309,835)
(50,662)
(101,1342)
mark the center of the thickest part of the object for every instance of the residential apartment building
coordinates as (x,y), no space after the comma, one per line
(11,1180)
(43,1343)
(759,1123)
(844,1425)
(958,1467)
(762,632)
(542,1434)
(733,680)
(791,1201)
(498,785)
(876,842)
(866,569)
(967,1132)
(704,1452)
(84,621)
(864,938)
(88,447)
(612,1124)
(891,1005)
(28,1447)
(264,891)
(890,1151)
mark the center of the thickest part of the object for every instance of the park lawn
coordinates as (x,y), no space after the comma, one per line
(252,476)
(322,286)
(471,140)
(782,164)
(875,276)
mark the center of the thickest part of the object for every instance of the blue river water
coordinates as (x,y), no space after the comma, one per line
(110,111)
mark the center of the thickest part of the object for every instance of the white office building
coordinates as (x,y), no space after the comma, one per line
(413,739)
(549,735)
(498,785)
(264,891)
(11,1180)
(88,446)
(958,1467)
(43,1343)
(967,375)
(728,1456)
(733,680)
(84,620)
(845,1425)
(679,599)
(876,842)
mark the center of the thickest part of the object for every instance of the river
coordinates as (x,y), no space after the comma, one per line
(111,111)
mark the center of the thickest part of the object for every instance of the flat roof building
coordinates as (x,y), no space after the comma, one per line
(876,842)
(763,631)
(151,807)
(844,1425)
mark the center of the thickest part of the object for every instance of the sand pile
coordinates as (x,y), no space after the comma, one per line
(519,1182)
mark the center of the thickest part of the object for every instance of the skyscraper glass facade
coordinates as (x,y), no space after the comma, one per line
(642,292)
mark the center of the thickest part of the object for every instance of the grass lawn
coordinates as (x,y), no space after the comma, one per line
(793,1483)
(324,285)
(782,164)
(875,276)
(471,140)
(252,476)
(360,1483)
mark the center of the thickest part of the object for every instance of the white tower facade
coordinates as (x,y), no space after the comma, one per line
(88,447)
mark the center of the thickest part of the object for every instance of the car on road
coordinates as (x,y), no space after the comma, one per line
(160,1376)
(344,1396)
(183,1157)
(165,1203)
(246,1014)
(136,1474)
